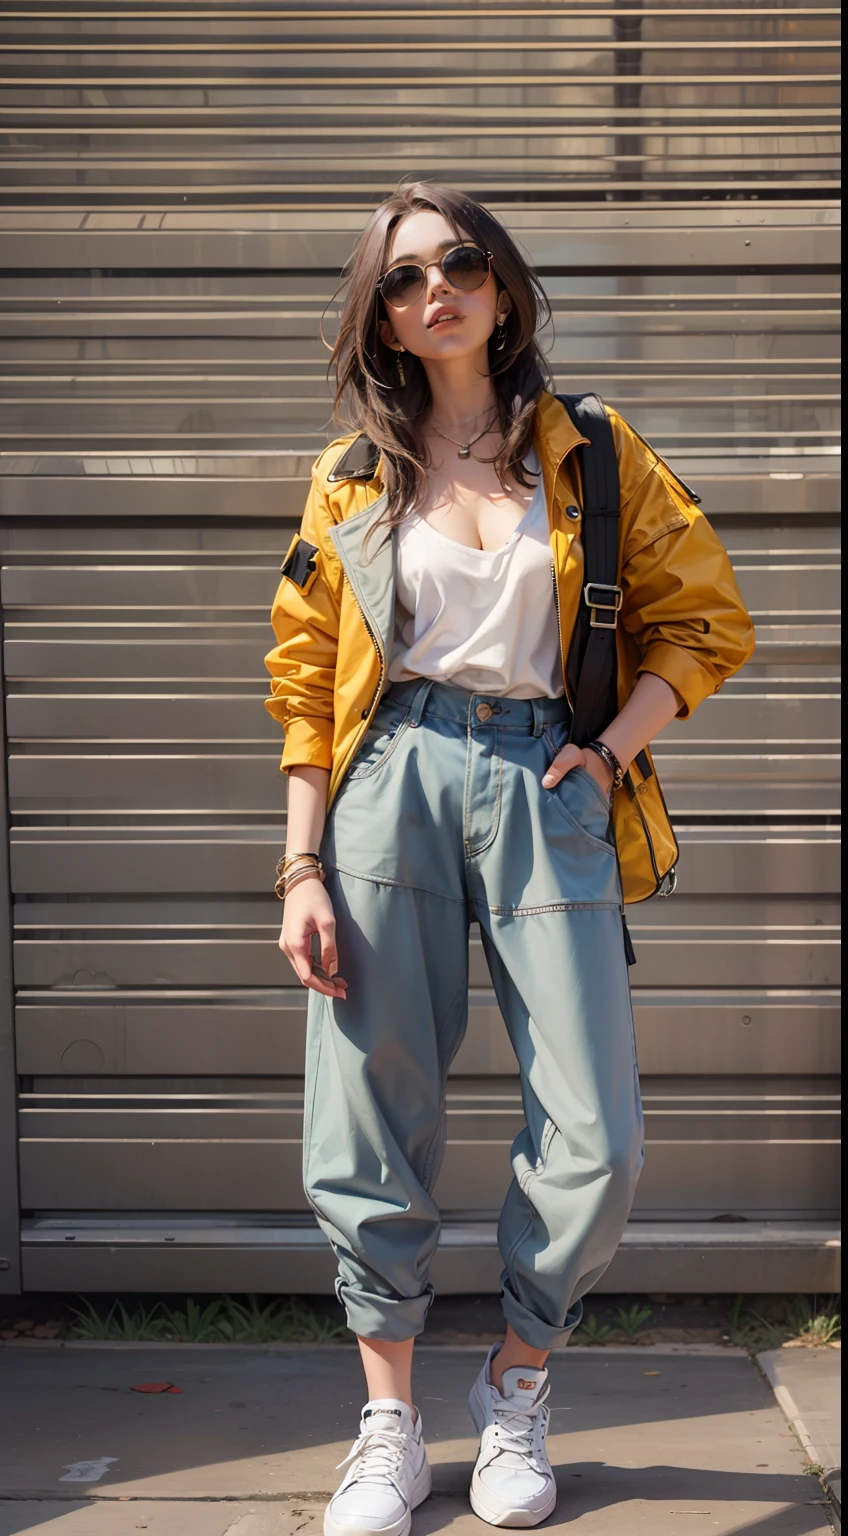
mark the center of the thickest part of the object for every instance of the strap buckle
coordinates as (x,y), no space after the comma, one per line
(602,603)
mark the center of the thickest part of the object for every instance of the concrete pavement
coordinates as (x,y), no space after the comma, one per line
(807,1385)
(642,1440)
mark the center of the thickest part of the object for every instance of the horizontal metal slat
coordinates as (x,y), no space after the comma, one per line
(255,485)
(743,956)
(810,589)
(121,1175)
(682,1032)
(203,913)
(237,658)
(222,716)
(776,247)
(473,1125)
(759,861)
(241,782)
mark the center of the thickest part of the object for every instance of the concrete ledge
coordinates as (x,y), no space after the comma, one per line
(211,1256)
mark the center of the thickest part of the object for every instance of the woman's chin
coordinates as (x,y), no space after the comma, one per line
(452,345)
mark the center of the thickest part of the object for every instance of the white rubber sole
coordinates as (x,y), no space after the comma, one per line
(519,1518)
(420,1491)
(481,1499)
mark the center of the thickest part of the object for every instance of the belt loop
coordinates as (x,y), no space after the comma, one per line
(538,718)
(420,699)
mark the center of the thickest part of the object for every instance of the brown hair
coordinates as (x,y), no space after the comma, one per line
(369,396)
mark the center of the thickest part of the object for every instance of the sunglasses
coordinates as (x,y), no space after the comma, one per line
(465,267)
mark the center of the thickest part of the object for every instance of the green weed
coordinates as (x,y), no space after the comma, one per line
(283,1321)
(631,1319)
(593,1331)
(117,1323)
(811,1325)
(795,1317)
(196,1325)
(221,1320)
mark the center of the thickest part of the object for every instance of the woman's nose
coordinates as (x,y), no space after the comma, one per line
(436,280)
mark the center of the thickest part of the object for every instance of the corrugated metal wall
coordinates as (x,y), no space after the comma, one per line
(181,184)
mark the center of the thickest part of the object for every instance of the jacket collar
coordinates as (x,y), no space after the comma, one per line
(358,462)
(555,436)
(370,575)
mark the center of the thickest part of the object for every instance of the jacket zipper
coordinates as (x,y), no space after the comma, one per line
(372,706)
(631,790)
(382,660)
(672,870)
(658,878)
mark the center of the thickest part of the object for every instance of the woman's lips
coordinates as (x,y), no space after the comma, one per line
(444,320)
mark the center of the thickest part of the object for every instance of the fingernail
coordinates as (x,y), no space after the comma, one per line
(548,781)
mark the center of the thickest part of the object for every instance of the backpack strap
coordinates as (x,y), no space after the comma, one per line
(592,663)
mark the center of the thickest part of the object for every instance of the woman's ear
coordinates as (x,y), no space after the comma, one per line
(387,335)
(503,307)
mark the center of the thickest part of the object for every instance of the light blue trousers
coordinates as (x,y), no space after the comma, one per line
(442,818)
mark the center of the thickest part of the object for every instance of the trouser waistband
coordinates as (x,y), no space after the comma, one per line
(424,695)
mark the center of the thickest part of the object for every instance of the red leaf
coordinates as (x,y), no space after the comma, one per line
(152,1386)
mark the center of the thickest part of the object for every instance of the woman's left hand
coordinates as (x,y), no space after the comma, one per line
(578,757)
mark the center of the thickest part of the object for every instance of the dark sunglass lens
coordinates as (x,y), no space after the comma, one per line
(466,266)
(402,285)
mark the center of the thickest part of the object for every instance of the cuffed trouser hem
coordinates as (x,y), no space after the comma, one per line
(534,1330)
(389,1319)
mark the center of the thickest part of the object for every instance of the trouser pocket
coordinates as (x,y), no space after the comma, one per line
(386,730)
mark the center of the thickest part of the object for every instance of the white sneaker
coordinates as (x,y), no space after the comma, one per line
(512,1483)
(389,1474)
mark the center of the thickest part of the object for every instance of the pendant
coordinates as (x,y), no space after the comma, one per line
(465,451)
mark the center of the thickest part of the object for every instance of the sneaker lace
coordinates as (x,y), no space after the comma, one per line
(519,1430)
(380,1454)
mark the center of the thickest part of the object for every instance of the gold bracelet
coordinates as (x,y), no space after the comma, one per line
(302,863)
(299,877)
(284,866)
(290,858)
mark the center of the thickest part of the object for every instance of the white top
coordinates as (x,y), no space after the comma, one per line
(482,619)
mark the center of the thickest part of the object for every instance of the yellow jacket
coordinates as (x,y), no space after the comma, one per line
(682,616)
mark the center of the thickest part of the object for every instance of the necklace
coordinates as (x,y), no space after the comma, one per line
(464,448)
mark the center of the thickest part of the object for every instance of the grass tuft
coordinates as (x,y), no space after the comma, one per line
(631,1319)
(223,1320)
(593,1331)
(797,1320)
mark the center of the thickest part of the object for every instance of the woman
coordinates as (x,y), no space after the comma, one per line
(423,622)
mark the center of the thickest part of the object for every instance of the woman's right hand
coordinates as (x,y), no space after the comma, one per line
(308,910)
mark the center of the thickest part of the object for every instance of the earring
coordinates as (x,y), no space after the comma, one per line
(401,374)
(501,342)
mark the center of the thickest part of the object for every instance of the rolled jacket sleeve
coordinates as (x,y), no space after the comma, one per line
(681,603)
(302,664)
